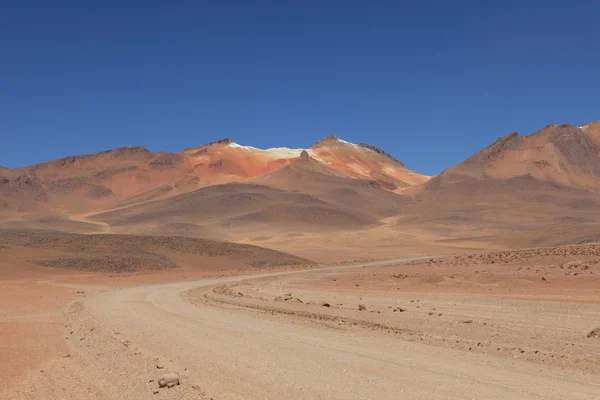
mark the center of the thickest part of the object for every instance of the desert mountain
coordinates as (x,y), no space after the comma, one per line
(304,195)
(520,190)
(563,154)
(226,161)
(364,161)
(208,190)
(541,189)
(309,176)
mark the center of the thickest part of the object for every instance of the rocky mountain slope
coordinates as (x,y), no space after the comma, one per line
(521,190)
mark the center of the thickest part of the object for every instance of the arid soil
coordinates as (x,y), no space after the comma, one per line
(501,325)
(43,272)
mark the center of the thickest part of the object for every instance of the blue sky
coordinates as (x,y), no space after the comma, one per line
(431,82)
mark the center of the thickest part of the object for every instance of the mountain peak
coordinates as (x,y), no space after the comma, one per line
(330,138)
(380,151)
(222,141)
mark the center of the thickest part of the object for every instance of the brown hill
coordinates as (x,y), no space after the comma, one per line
(364,161)
(592,130)
(564,154)
(519,191)
(309,176)
(129,253)
(234,210)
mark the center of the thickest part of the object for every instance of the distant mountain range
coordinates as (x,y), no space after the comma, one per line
(520,190)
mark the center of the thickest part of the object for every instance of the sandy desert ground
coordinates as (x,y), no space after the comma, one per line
(500,325)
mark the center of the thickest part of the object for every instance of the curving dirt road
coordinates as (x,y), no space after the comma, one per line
(234,353)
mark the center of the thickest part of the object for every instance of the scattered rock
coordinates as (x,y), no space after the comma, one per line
(168,380)
(399,309)
(361,307)
(294,300)
(287,297)
(155,391)
(466,321)
(594,334)
(325,305)
(159,366)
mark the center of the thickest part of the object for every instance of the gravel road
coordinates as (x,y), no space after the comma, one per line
(234,353)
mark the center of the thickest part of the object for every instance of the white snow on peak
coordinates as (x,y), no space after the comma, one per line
(343,141)
(280,152)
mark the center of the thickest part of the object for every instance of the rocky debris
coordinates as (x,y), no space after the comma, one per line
(520,256)
(399,309)
(99,192)
(159,366)
(288,298)
(222,141)
(104,252)
(595,334)
(166,161)
(168,380)
(216,164)
(140,261)
(325,304)
(23,187)
(496,149)
(68,185)
(361,307)
(379,151)
(466,321)
(107,174)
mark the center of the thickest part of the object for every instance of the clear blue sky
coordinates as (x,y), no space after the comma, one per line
(429,81)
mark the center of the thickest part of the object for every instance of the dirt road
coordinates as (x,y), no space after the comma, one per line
(234,353)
